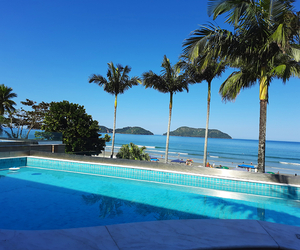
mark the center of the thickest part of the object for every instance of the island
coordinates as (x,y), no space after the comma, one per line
(198,132)
(126,130)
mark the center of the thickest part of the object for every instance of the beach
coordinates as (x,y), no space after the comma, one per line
(282,157)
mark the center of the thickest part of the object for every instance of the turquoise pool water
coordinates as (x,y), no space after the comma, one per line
(36,199)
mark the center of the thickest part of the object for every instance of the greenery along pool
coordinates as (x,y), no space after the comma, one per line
(36,199)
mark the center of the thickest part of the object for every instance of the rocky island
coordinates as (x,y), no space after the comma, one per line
(126,130)
(198,132)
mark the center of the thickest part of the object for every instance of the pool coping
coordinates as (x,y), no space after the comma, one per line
(164,235)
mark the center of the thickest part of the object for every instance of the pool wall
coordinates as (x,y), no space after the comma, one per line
(13,162)
(162,176)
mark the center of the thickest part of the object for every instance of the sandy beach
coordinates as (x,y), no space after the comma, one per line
(161,159)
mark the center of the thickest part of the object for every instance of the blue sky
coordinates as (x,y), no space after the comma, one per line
(50,48)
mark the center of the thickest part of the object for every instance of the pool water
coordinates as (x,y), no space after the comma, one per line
(38,199)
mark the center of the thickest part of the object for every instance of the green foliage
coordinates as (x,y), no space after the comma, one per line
(198,132)
(6,104)
(79,131)
(133,152)
(19,119)
(118,80)
(170,81)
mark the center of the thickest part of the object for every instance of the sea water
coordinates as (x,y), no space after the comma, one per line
(280,155)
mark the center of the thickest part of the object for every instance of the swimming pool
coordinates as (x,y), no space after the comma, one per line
(37,198)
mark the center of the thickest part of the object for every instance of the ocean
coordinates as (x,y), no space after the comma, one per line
(281,156)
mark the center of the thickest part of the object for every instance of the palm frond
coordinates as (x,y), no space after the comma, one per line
(117,81)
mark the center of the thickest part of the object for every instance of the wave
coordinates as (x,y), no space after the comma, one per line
(178,153)
(146,146)
(213,156)
(290,163)
(114,147)
(159,151)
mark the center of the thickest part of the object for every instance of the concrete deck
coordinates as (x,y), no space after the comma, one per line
(164,235)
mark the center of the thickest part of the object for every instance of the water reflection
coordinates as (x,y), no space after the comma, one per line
(111,207)
(261,212)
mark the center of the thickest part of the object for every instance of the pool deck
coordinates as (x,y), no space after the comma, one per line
(164,235)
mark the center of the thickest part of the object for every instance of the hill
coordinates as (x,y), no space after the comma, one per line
(126,130)
(104,129)
(198,132)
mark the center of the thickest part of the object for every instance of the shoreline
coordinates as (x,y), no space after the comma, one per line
(231,166)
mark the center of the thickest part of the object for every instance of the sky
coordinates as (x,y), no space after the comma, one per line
(49,48)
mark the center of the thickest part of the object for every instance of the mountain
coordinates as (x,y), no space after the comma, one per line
(126,130)
(104,129)
(199,132)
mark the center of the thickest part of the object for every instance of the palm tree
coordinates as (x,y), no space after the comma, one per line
(263,46)
(117,82)
(169,81)
(6,104)
(198,73)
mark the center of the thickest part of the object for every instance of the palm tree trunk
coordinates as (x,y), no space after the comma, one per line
(169,125)
(114,129)
(263,96)
(207,122)
(262,136)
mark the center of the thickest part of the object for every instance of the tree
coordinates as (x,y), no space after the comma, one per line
(19,119)
(199,72)
(117,82)
(264,45)
(6,104)
(79,131)
(133,152)
(170,81)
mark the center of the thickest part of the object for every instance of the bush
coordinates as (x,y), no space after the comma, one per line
(133,152)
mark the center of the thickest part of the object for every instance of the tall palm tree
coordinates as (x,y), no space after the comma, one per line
(199,72)
(264,45)
(117,82)
(6,104)
(169,81)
